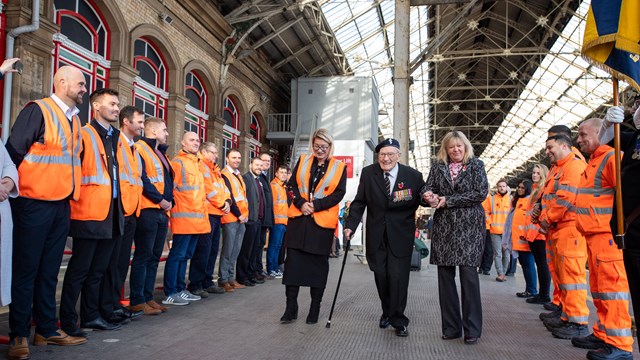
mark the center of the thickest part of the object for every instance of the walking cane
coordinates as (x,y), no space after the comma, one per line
(344,261)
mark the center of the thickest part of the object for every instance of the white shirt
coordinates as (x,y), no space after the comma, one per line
(393,176)
(129,141)
(68,112)
(234,172)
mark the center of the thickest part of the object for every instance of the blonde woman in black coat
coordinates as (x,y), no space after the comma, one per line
(456,186)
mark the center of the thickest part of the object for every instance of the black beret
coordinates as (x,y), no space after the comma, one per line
(388,142)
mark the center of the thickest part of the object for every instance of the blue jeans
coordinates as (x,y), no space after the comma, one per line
(204,257)
(275,242)
(175,268)
(151,231)
(529,270)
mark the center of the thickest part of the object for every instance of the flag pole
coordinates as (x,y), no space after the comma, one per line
(616,145)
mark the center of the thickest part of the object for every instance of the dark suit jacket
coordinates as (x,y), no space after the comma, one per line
(268,201)
(252,195)
(396,219)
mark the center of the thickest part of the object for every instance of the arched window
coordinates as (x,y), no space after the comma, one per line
(230,130)
(254,130)
(83,42)
(150,86)
(195,118)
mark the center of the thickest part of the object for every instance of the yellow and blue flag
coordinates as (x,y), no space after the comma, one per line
(612,38)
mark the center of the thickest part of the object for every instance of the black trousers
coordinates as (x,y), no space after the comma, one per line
(244,270)
(391,274)
(86,269)
(487,254)
(540,256)
(632,266)
(471,321)
(40,231)
(116,275)
(256,264)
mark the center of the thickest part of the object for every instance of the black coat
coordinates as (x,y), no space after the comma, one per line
(252,195)
(268,201)
(385,216)
(458,228)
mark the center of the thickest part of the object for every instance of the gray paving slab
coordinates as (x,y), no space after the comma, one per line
(245,325)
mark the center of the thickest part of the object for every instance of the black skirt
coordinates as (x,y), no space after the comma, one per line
(305,269)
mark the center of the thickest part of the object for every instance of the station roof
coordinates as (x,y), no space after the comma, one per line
(503,72)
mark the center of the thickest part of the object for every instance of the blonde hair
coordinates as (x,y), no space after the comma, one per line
(544,170)
(322,134)
(451,136)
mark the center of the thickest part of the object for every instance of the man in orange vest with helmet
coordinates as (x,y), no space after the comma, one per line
(130,169)
(612,335)
(45,145)
(189,219)
(280,208)
(203,261)
(233,223)
(97,218)
(153,222)
(569,246)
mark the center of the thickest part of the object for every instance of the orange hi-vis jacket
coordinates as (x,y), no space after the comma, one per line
(328,218)
(96,185)
(51,170)
(560,191)
(280,207)
(239,193)
(189,215)
(519,226)
(578,154)
(594,202)
(217,191)
(129,171)
(486,205)
(499,207)
(154,170)
(531,230)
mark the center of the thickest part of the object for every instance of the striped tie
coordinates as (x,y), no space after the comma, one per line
(387,183)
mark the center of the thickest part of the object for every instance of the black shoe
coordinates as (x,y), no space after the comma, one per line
(486,272)
(554,323)
(538,299)
(257,281)
(525,294)
(588,342)
(470,340)
(100,324)
(609,352)
(552,307)
(384,322)
(247,283)
(571,330)
(549,315)
(126,313)
(75,332)
(402,331)
(450,337)
(115,319)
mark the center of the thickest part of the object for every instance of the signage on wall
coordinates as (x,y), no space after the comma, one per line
(347,160)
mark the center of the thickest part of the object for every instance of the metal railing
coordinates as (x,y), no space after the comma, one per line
(285,122)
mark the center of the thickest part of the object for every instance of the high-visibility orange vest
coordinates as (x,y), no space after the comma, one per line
(594,202)
(154,169)
(96,185)
(280,207)
(326,218)
(560,189)
(239,192)
(532,231)
(500,207)
(486,205)
(51,170)
(519,225)
(578,154)
(217,192)
(189,215)
(129,171)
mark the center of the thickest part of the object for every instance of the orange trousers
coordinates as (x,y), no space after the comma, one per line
(570,259)
(549,247)
(610,291)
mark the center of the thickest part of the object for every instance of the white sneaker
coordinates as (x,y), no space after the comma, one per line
(175,299)
(278,275)
(185,294)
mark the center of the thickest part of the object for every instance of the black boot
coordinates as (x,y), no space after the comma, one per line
(314,310)
(291,312)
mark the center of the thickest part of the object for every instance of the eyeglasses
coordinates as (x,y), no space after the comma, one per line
(391,154)
(321,147)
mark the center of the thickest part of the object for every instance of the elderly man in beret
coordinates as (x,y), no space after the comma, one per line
(391,193)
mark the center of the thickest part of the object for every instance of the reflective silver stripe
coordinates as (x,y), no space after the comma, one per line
(326,179)
(622,295)
(212,194)
(65,158)
(596,211)
(187,215)
(574,287)
(156,163)
(597,181)
(184,179)
(48,159)
(568,188)
(281,216)
(497,224)
(280,202)
(577,319)
(304,164)
(592,191)
(100,178)
(614,332)
(233,180)
(565,203)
